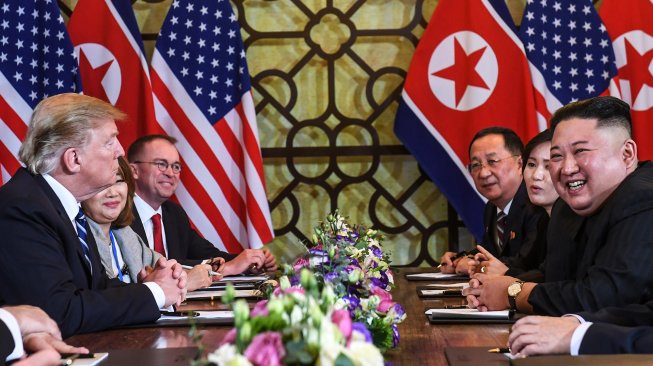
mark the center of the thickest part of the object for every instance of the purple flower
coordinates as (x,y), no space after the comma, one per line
(399,310)
(266,349)
(260,309)
(362,329)
(377,252)
(395,335)
(343,321)
(331,276)
(381,282)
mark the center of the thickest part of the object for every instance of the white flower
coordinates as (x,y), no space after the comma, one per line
(364,354)
(227,355)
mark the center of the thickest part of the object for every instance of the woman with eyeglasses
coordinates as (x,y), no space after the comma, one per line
(123,253)
(542,194)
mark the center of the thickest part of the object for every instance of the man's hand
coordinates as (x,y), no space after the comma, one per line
(485,262)
(488,292)
(48,357)
(33,320)
(199,277)
(446,265)
(254,260)
(169,275)
(42,341)
(535,335)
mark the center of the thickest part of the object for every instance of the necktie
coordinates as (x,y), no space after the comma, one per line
(158,235)
(80,223)
(501,228)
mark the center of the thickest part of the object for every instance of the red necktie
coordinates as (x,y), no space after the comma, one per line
(158,237)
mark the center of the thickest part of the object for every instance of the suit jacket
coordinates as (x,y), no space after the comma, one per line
(604,259)
(611,339)
(525,242)
(183,242)
(42,264)
(6,342)
(135,253)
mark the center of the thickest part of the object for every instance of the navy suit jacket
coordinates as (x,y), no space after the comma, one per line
(42,264)
(183,243)
(604,338)
(524,237)
(604,259)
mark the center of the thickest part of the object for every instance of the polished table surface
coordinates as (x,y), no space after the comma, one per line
(421,343)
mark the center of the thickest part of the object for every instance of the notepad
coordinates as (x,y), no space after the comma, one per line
(459,285)
(468,314)
(437,275)
(436,292)
(97,358)
(212,314)
(243,279)
(215,294)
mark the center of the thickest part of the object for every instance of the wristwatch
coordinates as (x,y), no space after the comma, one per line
(513,291)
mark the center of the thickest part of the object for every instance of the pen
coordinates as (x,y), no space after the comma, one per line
(180,313)
(212,273)
(455,306)
(499,350)
(67,359)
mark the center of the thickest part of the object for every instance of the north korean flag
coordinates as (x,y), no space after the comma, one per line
(112,61)
(469,72)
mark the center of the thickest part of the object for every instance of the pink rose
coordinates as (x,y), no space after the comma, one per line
(386,299)
(260,309)
(300,263)
(230,337)
(343,321)
(266,349)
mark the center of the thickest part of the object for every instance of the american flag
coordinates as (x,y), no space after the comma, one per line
(36,61)
(202,97)
(569,51)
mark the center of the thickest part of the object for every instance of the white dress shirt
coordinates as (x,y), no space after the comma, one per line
(12,324)
(145,212)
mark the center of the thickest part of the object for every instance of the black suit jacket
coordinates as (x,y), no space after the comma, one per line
(6,342)
(42,264)
(525,242)
(183,243)
(612,339)
(602,260)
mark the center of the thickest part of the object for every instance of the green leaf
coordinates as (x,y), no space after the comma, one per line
(343,360)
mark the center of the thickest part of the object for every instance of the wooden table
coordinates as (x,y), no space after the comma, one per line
(421,343)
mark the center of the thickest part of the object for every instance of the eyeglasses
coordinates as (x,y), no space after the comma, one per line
(476,167)
(162,165)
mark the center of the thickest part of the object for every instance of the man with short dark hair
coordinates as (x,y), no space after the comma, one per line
(156,167)
(600,238)
(511,225)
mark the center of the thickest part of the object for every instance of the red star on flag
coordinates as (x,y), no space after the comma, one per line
(463,71)
(93,76)
(632,70)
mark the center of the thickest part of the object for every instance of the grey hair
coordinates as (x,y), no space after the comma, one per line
(60,122)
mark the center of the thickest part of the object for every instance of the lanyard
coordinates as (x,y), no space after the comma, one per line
(115,254)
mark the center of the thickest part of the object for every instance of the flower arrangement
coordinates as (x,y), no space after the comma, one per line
(296,325)
(349,258)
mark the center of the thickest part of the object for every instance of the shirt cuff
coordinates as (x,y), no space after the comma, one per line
(577,338)
(12,324)
(157,292)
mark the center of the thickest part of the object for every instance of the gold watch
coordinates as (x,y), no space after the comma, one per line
(513,291)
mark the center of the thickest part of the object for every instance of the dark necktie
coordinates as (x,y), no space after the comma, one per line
(501,228)
(80,223)
(158,235)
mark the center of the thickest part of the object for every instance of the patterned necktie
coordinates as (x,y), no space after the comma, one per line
(158,235)
(80,223)
(501,228)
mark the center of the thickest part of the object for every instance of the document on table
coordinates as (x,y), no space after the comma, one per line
(97,358)
(459,285)
(242,279)
(210,314)
(439,292)
(468,314)
(195,295)
(433,276)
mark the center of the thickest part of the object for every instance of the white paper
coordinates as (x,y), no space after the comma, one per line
(436,275)
(218,293)
(433,292)
(469,313)
(242,279)
(450,285)
(217,314)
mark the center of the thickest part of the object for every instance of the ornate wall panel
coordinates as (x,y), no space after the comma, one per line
(326,79)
